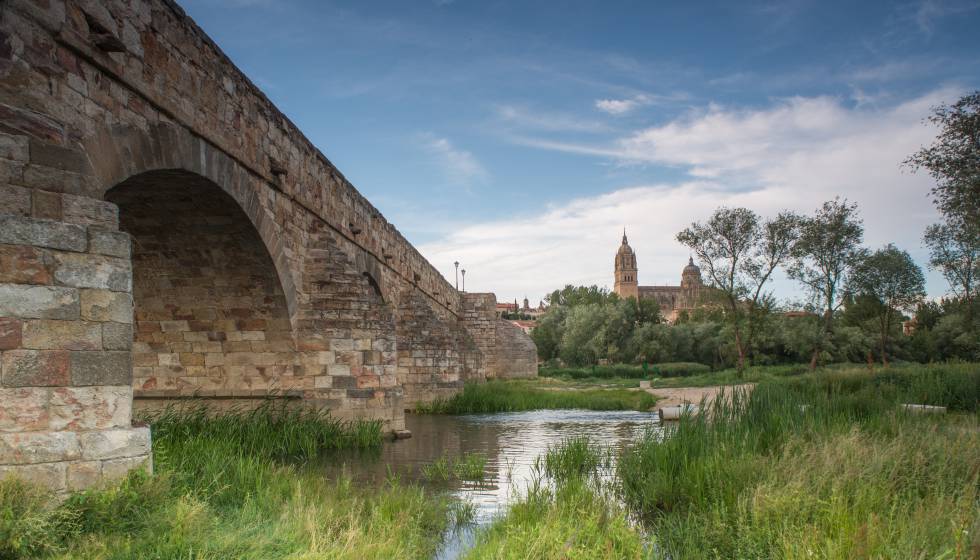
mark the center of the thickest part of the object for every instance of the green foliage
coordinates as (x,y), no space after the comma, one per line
(822,465)
(519,395)
(575,457)
(625,371)
(469,467)
(227,486)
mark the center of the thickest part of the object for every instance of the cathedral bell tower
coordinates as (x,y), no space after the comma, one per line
(625,271)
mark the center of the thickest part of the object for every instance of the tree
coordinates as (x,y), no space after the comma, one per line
(892,279)
(828,245)
(956,252)
(740,254)
(953,160)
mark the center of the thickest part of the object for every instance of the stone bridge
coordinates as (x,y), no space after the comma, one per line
(166,232)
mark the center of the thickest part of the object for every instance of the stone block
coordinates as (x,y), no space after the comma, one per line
(101,368)
(90,408)
(106,305)
(117,336)
(22,264)
(19,230)
(58,157)
(46,205)
(24,409)
(48,334)
(15,200)
(38,302)
(109,242)
(90,212)
(338,369)
(93,271)
(10,333)
(22,448)
(115,444)
(83,474)
(35,368)
(13,147)
(49,475)
(117,469)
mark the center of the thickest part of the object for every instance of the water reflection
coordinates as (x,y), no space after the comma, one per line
(511,442)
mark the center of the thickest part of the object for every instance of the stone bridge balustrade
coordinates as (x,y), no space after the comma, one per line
(166,232)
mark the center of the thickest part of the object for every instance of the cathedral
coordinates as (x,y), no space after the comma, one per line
(672,299)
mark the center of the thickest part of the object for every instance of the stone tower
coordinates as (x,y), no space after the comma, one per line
(625,275)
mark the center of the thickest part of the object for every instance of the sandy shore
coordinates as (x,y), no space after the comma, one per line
(692,395)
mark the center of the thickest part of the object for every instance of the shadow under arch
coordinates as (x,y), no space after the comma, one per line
(211,315)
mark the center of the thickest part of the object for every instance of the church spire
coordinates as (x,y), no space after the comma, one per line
(624,237)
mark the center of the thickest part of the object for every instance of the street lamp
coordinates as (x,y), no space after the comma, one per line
(464,280)
(456,264)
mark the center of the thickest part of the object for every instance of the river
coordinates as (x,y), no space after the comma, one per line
(511,441)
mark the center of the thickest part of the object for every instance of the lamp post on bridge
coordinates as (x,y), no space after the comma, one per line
(456,264)
(464,280)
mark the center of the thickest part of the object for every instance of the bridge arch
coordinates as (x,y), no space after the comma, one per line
(211,317)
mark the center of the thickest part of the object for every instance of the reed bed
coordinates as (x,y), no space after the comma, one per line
(239,484)
(823,466)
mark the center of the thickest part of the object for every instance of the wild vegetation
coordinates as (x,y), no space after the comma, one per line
(817,465)
(240,484)
(852,300)
(520,395)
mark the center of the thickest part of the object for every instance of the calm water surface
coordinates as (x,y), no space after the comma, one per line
(511,442)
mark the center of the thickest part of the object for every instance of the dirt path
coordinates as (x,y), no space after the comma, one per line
(693,395)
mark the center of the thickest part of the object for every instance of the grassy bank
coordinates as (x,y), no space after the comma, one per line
(236,485)
(567,513)
(823,465)
(518,395)
(814,466)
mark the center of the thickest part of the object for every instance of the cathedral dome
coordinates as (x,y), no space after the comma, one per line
(691,268)
(625,258)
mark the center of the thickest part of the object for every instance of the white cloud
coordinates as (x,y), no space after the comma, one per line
(622,106)
(795,154)
(459,166)
(534,119)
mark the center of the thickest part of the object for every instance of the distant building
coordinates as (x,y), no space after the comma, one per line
(672,299)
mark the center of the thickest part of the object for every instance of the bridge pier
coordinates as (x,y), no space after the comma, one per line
(65,337)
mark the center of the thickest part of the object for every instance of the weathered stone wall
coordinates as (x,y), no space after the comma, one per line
(65,337)
(435,356)
(211,317)
(259,269)
(506,350)
(517,355)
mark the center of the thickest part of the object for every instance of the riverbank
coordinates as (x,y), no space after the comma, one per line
(537,394)
(824,465)
(234,485)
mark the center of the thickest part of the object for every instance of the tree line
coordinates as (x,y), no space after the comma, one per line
(856,298)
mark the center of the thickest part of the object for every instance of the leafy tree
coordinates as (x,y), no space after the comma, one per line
(891,279)
(953,160)
(828,245)
(956,252)
(740,252)
(572,296)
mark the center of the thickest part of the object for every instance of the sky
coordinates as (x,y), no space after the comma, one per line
(521,137)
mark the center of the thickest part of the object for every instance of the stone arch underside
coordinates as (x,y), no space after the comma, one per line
(211,318)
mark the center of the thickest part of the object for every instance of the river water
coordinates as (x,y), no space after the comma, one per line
(511,441)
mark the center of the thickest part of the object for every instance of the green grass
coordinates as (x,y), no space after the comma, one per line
(242,484)
(468,467)
(573,517)
(822,466)
(575,457)
(519,395)
(626,371)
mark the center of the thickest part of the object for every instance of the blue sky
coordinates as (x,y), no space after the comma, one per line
(520,137)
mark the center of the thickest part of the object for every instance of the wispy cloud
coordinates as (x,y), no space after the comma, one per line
(459,166)
(794,154)
(533,119)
